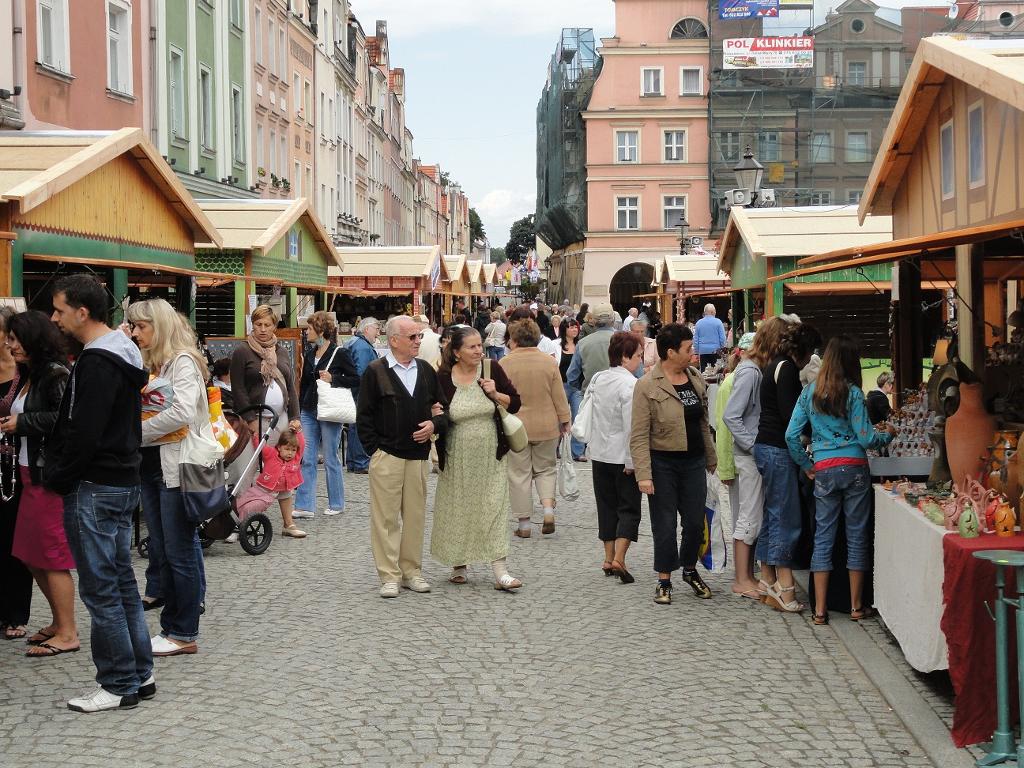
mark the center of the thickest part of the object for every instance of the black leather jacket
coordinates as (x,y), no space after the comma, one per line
(40,416)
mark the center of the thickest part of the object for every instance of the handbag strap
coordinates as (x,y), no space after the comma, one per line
(329,362)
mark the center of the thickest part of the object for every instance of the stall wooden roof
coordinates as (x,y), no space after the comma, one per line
(489,272)
(995,67)
(456,267)
(474,268)
(405,261)
(258,225)
(799,231)
(36,165)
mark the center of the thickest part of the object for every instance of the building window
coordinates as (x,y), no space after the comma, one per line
(282,161)
(297,94)
(946,159)
(322,124)
(627,213)
(119,47)
(273,151)
(258,35)
(307,101)
(177,94)
(626,147)
(821,148)
(297,179)
(675,146)
(821,197)
(206,108)
(282,52)
(650,81)
(853,196)
(729,146)
(259,146)
(856,73)
(674,208)
(271,47)
(975,146)
(858,148)
(54,49)
(857,25)
(689,29)
(235,12)
(237,122)
(691,81)
(768,146)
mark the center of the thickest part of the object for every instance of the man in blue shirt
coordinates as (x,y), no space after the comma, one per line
(708,337)
(363,353)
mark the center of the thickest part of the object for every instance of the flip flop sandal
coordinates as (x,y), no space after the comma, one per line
(457,579)
(507,584)
(51,650)
(39,638)
(14,633)
(750,594)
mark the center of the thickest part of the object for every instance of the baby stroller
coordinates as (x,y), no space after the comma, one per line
(241,466)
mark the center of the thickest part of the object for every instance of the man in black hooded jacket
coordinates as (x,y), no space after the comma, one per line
(92,459)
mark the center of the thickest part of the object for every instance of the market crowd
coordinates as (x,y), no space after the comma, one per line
(96,423)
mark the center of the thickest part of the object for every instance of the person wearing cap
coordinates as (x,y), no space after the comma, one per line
(708,337)
(430,347)
(363,352)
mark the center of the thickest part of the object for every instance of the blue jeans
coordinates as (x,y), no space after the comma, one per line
(355,454)
(153,588)
(843,489)
(98,523)
(174,545)
(314,431)
(575,398)
(495,353)
(780,530)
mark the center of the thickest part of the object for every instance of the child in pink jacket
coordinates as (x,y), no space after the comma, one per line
(282,474)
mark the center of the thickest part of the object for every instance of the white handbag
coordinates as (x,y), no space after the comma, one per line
(568,487)
(511,425)
(334,403)
(582,424)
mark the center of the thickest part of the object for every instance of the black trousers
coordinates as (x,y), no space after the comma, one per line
(680,490)
(709,359)
(15,579)
(618,502)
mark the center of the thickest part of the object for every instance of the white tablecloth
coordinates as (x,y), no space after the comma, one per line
(908,580)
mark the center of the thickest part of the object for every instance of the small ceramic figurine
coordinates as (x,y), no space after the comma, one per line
(968,523)
(951,509)
(989,522)
(1005,520)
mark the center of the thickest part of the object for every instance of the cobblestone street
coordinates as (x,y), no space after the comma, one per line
(302,664)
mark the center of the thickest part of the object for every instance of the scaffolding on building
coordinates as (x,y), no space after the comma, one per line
(561,217)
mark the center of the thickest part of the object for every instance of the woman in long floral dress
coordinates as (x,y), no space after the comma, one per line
(471,504)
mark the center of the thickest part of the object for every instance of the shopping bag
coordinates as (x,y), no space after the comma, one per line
(334,403)
(713,553)
(582,424)
(568,487)
(203,487)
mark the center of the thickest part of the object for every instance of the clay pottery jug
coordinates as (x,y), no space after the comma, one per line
(951,512)
(968,523)
(969,433)
(1005,520)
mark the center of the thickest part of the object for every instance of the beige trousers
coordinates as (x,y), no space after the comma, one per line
(534,464)
(398,500)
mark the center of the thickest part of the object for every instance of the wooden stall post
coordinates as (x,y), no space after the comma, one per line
(908,343)
(970,286)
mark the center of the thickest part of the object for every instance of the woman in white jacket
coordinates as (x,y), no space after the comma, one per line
(615,488)
(177,402)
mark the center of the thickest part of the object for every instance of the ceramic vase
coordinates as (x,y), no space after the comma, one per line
(1005,520)
(969,433)
(968,523)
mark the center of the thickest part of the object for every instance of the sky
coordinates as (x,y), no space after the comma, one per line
(474,73)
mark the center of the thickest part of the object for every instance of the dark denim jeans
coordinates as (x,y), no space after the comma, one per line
(175,543)
(780,530)
(575,398)
(153,589)
(98,523)
(355,454)
(680,490)
(846,490)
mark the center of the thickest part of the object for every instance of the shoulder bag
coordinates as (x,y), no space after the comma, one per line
(202,481)
(334,403)
(568,486)
(512,426)
(582,425)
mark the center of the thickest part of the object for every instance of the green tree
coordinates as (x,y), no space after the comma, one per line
(521,240)
(497,254)
(476,228)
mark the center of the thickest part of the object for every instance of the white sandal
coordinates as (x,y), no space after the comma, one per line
(507,583)
(776,601)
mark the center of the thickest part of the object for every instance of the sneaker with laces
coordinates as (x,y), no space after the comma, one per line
(101,700)
(700,589)
(148,688)
(302,514)
(663,594)
(329,512)
(389,589)
(416,584)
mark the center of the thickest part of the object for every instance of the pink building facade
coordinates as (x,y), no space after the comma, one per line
(647,146)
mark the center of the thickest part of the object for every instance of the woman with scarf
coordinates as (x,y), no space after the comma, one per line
(260,375)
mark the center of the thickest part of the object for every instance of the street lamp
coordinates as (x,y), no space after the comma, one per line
(684,241)
(749,173)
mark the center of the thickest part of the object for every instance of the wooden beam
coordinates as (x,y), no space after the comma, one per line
(908,342)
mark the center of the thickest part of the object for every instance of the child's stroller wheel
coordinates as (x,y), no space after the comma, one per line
(143,548)
(205,542)
(256,534)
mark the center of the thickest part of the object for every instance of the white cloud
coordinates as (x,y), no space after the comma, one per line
(510,18)
(499,208)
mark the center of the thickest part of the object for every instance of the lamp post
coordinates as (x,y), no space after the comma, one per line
(684,241)
(749,173)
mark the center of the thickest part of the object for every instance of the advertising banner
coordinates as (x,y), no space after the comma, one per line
(747,9)
(768,53)
(793,5)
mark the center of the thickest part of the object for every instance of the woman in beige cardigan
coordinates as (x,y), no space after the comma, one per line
(545,414)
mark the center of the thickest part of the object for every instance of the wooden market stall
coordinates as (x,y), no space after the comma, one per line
(386,281)
(457,284)
(280,250)
(104,202)
(685,283)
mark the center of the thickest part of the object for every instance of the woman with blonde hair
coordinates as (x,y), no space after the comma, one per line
(174,402)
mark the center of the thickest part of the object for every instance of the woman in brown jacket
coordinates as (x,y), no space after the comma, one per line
(672,449)
(260,374)
(545,414)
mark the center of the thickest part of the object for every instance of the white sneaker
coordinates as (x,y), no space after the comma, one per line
(389,589)
(302,514)
(332,512)
(148,688)
(416,584)
(232,539)
(101,700)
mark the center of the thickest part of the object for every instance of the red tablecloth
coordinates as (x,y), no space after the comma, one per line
(970,633)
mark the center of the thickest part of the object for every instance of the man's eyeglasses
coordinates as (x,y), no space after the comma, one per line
(415,337)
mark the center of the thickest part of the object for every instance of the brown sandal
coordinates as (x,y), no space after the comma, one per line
(858,614)
(820,620)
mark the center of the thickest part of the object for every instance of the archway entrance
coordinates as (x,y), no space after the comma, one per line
(629,282)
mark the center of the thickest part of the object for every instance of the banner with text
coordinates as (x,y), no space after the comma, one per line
(768,53)
(747,9)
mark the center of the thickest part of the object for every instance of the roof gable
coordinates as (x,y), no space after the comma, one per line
(403,261)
